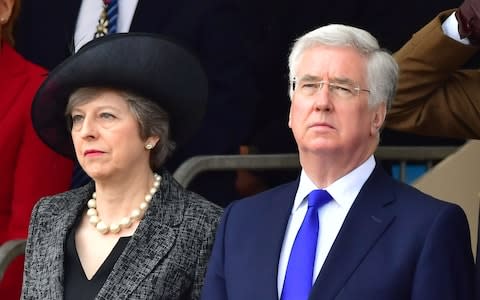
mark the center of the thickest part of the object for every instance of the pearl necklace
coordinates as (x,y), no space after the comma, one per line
(125,222)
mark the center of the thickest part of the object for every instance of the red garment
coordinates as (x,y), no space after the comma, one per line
(28,168)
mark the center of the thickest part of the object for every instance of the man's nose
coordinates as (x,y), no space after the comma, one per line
(323,98)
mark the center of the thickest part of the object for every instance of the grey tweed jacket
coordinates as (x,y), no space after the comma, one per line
(166,258)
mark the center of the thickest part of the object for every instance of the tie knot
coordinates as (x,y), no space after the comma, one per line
(318,198)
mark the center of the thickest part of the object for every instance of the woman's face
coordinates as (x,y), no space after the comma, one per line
(106,136)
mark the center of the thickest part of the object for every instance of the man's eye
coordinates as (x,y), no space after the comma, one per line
(342,89)
(310,86)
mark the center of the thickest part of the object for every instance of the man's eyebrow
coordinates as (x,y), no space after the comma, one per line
(308,78)
(342,80)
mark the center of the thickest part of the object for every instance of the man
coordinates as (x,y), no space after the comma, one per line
(376,238)
(270,40)
(436,95)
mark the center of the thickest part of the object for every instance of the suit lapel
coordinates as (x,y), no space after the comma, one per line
(63,217)
(368,218)
(151,242)
(151,15)
(66,15)
(270,240)
(72,8)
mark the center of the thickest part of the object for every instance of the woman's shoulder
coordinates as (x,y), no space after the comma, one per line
(199,213)
(198,204)
(194,203)
(22,69)
(64,200)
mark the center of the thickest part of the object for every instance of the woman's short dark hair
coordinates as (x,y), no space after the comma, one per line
(152,119)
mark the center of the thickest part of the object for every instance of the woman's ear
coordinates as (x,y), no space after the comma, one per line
(151,142)
(6,8)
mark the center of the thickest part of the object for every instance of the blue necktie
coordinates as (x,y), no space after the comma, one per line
(299,275)
(107,23)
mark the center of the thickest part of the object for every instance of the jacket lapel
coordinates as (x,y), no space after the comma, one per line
(63,217)
(151,242)
(367,220)
(66,14)
(152,15)
(270,240)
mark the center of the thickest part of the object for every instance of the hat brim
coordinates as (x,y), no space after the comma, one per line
(145,64)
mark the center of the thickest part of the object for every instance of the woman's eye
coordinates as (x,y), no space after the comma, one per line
(107,116)
(76,119)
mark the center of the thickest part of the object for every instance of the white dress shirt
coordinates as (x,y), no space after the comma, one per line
(89,14)
(450,28)
(331,215)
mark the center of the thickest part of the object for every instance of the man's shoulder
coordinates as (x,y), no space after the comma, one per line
(274,203)
(266,198)
(417,201)
(403,195)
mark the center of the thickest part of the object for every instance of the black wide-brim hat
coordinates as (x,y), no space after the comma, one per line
(148,65)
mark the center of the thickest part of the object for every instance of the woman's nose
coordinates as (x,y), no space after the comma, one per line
(88,128)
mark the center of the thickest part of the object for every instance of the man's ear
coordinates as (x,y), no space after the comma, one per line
(378,118)
(290,116)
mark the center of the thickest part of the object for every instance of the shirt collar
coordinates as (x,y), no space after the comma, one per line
(344,190)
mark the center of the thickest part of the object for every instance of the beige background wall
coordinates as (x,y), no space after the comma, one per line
(457,179)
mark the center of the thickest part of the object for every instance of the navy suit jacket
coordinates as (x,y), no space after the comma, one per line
(395,243)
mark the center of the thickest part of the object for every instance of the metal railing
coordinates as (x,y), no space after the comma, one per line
(196,165)
(8,252)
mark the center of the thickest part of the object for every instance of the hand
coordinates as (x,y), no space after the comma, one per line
(468,16)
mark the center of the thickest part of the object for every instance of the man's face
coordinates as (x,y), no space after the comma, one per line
(333,117)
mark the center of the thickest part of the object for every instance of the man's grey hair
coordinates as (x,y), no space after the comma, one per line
(382,69)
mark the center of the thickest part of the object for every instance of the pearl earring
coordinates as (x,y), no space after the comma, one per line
(149,146)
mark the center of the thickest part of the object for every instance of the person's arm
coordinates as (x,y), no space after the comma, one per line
(434,95)
(445,268)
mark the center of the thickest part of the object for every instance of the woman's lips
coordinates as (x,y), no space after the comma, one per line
(93,152)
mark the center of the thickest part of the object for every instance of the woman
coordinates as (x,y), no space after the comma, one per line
(29,169)
(133,232)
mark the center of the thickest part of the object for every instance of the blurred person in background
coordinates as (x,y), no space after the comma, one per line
(28,168)
(437,94)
